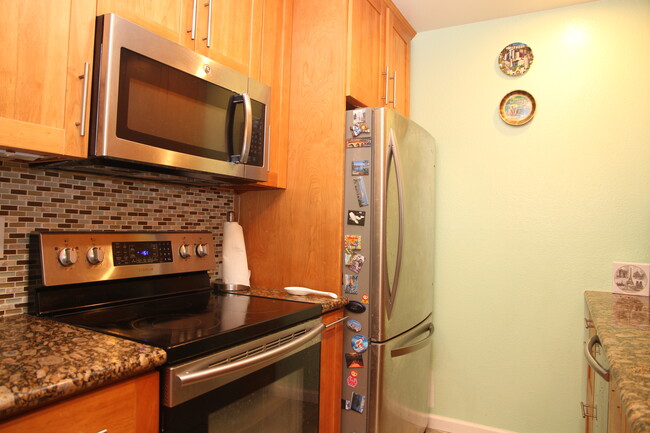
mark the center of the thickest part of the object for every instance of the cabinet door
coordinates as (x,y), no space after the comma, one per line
(44,48)
(398,48)
(366,73)
(330,374)
(127,407)
(230,33)
(275,71)
(163,17)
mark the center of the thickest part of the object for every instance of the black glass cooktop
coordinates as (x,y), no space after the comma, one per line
(192,324)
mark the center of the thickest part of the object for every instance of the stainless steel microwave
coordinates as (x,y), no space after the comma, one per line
(162,111)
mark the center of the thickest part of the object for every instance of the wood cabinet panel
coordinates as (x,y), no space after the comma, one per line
(293,237)
(378,68)
(163,17)
(398,40)
(366,77)
(331,370)
(44,48)
(126,407)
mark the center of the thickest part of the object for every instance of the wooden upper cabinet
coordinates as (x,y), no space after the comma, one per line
(45,47)
(365,60)
(378,59)
(163,17)
(229,32)
(398,50)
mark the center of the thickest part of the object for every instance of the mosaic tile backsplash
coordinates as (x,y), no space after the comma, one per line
(35,199)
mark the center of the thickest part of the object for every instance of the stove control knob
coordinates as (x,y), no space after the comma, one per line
(185,251)
(67,256)
(95,255)
(202,250)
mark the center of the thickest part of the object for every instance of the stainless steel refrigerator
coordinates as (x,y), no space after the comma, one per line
(388,258)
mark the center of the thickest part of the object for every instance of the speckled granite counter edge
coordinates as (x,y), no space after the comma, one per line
(42,361)
(623,325)
(327,304)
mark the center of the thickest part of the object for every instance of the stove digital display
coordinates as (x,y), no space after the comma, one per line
(142,253)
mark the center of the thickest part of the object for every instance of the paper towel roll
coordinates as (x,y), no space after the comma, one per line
(235,263)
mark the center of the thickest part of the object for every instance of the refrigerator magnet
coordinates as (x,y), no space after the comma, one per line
(351,284)
(352,381)
(354,360)
(353,143)
(352,242)
(356,218)
(356,262)
(346,404)
(365,299)
(359,343)
(355,307)
(358,402)
(354,325)
(360,168)
(360,189)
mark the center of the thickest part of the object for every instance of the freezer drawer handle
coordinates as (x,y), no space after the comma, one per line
(414,347)
(220,370)
(603,372)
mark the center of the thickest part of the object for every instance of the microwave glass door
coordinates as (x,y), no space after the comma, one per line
(166,108)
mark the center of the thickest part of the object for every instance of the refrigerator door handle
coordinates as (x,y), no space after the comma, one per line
(405,350)
(392,155)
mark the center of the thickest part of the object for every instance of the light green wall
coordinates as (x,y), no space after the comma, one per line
(529,217)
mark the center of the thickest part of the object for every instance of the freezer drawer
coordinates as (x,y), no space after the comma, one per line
(400,381)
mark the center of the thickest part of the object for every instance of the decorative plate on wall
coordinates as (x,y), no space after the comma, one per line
(517,107)
(515,59)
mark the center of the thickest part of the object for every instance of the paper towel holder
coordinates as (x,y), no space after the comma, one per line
(231,288)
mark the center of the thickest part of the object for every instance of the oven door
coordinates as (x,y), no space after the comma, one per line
(245,388)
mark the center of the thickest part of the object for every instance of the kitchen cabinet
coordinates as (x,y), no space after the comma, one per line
(378,55)
(603,411)
(127,407)
(163,17)
(398,54)
(46,59)
(330,373)
(275,71)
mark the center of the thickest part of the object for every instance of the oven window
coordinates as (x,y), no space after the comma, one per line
(282,397)
(170,109)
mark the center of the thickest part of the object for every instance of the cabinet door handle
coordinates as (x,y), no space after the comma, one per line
(585,410)
(209,37)
(84,100)
(385,97)
(336,321)
(193,29)
(602,371)
(394,89)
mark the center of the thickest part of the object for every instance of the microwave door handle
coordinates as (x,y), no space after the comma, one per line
(248,128)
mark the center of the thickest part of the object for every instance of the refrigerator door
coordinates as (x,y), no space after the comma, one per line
(400,377)
(403,218)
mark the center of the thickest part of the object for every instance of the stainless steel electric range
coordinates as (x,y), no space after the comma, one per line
(234,362)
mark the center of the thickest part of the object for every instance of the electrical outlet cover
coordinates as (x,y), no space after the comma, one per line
(631,278)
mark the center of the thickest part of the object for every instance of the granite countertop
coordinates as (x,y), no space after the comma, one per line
(328,304)
(42,361)
(623,324)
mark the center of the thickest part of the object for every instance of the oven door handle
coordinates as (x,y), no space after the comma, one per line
(191,378)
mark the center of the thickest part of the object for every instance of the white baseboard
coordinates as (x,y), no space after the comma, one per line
(457,426)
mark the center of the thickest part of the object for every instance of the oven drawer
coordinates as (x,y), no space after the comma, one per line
(126,407)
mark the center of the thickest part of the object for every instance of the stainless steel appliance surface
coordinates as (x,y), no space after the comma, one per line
(160,111)
(388,263)
(233,360)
